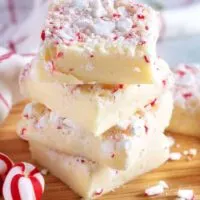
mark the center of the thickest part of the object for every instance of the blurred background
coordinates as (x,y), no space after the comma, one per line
(181,41)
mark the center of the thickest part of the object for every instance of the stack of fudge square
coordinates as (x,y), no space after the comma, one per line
(101,98)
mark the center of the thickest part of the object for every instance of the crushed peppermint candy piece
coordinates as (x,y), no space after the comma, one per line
(44,172)
(157,189)
(146,59)
(43,35)
(164,184)
(154,190)
(175,156)
(99,18)
(193,152)
(190,152)
(186,194)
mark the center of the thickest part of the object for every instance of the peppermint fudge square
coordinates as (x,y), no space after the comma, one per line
(102,41)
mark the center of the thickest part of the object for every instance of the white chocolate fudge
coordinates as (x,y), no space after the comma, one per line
(186,115)
(91,180)
(96,108)
(102,41)
(117,148)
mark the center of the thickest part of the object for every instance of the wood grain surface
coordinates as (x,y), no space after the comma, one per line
(182,174)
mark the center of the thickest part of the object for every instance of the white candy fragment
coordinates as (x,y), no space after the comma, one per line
(44,172)
(186,194)
(157,189)
(164,184)
(175,156)
(171,141)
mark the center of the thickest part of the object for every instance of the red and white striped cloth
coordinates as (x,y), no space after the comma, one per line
(21,22)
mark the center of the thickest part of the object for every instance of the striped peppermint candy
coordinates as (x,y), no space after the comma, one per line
(5,165)
(23,182)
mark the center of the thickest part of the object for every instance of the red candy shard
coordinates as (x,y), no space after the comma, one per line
(181,73)
(146,59)
(153,102)
(117,87)
(4,101)
(12,46)
(79,37)
(97,193)
(60,54)
(134,26)
(23,131)
(142,42)
(43,35)
(129,36)
(146,129)
(6,56)
(164,82)
(187,95)
(116,15)
(140,16)
(26,116)
(115,38)
(82,161)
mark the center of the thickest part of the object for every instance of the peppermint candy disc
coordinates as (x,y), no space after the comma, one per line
(5,165)
(23,182)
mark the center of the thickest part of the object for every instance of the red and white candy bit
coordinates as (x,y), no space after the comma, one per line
(5,165)
(22,133)
(23,182)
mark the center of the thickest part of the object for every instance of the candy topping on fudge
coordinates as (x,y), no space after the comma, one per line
(90,21)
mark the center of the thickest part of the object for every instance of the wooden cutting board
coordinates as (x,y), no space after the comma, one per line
(178,174)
